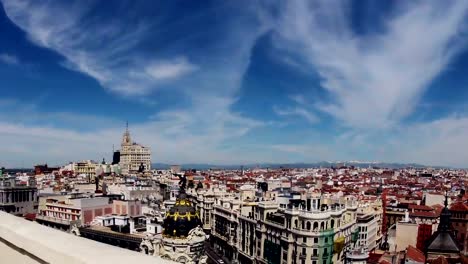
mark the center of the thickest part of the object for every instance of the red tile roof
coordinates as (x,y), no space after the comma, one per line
(415,254)
(440,260)
(374,258)
(424,214)
(459,206)
(420,207)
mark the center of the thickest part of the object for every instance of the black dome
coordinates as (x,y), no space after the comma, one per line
(181,218)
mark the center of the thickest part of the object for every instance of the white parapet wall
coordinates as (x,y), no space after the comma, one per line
(46,245)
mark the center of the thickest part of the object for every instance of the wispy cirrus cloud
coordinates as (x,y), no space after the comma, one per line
(297,111)
(167,70)
(104,49)
(174,136)
(439,142)
(377,79)
(9,59)
(196,132)
(300,108)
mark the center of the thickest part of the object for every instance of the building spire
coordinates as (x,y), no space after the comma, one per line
(444,222)
(446,199)
(126,138)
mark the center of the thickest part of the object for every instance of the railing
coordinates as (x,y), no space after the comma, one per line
(274,223)
(53,219)
(315,214)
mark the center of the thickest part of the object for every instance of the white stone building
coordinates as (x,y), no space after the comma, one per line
(368,226)
(132,155)
(18,197)
(304,231)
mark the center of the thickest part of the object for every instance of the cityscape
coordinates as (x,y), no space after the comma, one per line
(244,132)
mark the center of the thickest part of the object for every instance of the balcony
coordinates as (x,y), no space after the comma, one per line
(315,214)
(274,223)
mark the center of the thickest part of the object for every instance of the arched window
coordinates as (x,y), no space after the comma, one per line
(315,226)
(332,223)
(295,223)
(308,225)
(321,226)
(303,225)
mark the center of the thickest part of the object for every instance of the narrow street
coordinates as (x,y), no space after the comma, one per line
(213,257)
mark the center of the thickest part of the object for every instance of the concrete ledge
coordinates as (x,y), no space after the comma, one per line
(47,245)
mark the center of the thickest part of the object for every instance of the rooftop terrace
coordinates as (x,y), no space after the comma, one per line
(22,241)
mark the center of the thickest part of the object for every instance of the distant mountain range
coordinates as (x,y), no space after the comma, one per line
(324,164)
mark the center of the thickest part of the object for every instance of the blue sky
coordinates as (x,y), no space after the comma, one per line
(235,82)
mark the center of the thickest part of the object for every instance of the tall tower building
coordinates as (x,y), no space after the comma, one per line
(132,155)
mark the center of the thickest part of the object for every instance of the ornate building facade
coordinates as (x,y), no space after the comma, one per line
(133,155)
(182,239)
(309,228)
(17,197)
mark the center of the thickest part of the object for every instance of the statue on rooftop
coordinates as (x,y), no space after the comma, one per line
(141,169)
(182,182)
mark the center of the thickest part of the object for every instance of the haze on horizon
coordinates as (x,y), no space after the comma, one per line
(235,82)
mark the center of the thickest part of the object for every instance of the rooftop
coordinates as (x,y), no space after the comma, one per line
(23,241)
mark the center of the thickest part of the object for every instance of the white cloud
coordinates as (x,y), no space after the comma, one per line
(197,132)
(9,59)
(375,80)
(306,152)
(171,136)
(300,109)
(167,70)
(299,99)
(440,142)
(107,50)
(297,111)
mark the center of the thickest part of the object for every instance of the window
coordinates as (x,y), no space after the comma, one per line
(303,251)
(315,252)
(304,239)
(315,240)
